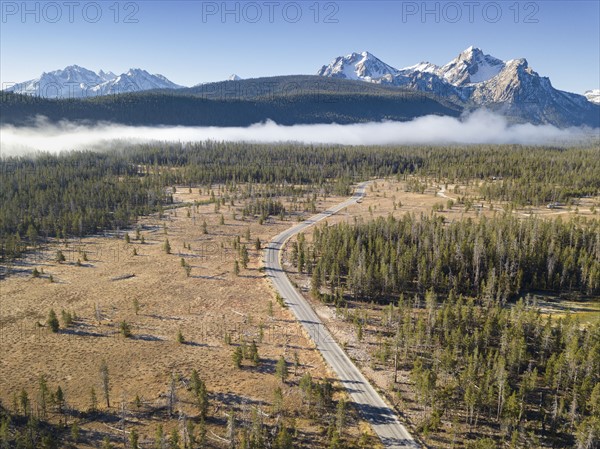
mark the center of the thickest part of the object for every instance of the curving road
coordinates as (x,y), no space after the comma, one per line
(382,418)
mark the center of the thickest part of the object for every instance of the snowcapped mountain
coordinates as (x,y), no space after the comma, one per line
(77,82)
(359,66)
(366,67)
(135,80)
(106,76)
(593,95)
(234,77)
(474,80)
(471,66)
(425,67)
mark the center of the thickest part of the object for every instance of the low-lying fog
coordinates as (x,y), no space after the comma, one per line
(478,128)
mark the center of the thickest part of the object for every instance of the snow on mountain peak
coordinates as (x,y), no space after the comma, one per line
(233,77)
(78,82)
(469,52)
(470,67)
(424,66)
(475,79)
(593,95)
(358,66)
(107,76)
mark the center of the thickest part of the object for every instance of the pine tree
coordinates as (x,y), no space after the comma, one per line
(253,353)
(104,377)
(93,400)
(24,402)
(134,439)
(52,321)
(281,369)
(59,399)
(237,357)
(340,416)
(283,440)
(244,256)
(75,432)
(125,329)
(60,257)
(159,438)
(174,440)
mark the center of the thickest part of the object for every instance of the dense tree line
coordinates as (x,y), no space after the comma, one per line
(533,379)
(73,194)
(495,258)
(516,174)
(286,163)
(81,193)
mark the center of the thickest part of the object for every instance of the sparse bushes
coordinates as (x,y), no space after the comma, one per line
(125,329)
(186,267)
(136,306)
(180,338)
(280,300)
(60,257)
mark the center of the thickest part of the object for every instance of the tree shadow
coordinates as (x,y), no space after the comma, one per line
(81,333)
(146,337)
(195,344)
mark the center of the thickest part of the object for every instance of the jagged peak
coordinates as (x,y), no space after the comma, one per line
(472,50)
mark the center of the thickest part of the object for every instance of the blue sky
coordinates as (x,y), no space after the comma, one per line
(192,41)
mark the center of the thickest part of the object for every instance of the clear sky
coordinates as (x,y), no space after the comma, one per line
(199,41)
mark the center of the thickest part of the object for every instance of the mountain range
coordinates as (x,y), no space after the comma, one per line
(474,80)
(471,81)
(78,82)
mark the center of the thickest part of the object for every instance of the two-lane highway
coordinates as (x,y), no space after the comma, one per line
(372,407)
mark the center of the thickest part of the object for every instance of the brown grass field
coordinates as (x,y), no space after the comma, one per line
(205,306)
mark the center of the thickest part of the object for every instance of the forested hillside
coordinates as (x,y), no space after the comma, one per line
(285,100)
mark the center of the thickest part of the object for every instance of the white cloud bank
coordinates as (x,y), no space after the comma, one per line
(478,128)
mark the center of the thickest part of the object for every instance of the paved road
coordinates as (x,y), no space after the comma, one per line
(382,418)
